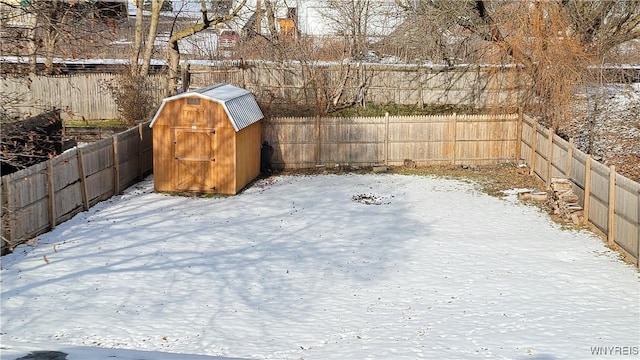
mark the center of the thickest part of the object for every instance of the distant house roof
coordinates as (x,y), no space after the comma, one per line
(238,103)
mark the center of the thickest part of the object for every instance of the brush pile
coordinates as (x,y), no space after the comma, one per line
(27,142)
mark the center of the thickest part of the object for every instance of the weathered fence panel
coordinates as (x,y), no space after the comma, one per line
(294,141)
(560,157)
(627,214)
(578,173)
(36,199)
(599,196)
(66,185)
(98,162)
(351,140)
(80,96)
(25,202)
(611,202)
(86,96)
(453,139)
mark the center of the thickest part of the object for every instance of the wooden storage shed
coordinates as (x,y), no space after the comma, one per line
(207,141)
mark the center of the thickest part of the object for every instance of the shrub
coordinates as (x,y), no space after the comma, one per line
(134,96)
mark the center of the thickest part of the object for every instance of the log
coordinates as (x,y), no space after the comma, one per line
(539,196)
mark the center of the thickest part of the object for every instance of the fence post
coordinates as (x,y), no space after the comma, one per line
(638,237)
(116,167)
(52,195)
(318,141)
(83,180)
(386,138)
(453,138)
(550,157)
(140,150)
(7,221)
(587,187)
(519,137)
(534,144)
(612,206)
(569,159)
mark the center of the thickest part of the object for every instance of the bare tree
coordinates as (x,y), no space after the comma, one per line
(205,22)
(357,22)
(554,42)
(142,48)
(65,28)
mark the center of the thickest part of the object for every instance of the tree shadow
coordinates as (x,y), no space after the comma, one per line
(113,354)
(269,249)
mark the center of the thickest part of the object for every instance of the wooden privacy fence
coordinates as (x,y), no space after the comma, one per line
(86,96)
(611,202)
(79,96)
(36,199)
(448,139)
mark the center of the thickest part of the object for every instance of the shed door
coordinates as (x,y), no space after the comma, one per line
(195,160)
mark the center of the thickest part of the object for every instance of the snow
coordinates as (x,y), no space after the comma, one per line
(303,267)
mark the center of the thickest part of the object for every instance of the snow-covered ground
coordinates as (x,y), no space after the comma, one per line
(319,267)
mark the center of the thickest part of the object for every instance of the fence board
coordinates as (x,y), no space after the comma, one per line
(526,141)
(28,185)
(627,221)
(68,202)
(65,169)
(97,156)
(560,157)
(600,181)
(578,168)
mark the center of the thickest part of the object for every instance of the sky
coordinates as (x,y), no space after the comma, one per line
(375,266)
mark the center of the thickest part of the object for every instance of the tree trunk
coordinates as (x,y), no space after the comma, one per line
(156,5)
(174,50)
(137,43)
(50,45)
(32,44)
(174,64)
(273,31)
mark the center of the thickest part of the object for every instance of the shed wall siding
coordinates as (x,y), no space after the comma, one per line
(248,155)
(225,161)
(224,150)
(162,159)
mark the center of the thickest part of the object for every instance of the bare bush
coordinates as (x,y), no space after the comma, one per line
(134,95)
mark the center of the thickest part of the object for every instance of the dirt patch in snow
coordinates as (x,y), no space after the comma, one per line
(370,199)
(493,179)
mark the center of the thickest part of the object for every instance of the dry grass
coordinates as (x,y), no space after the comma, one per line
(493,179)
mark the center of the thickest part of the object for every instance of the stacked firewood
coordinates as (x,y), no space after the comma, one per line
(564,202)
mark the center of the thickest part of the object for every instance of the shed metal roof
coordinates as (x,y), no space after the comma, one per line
(239,104)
